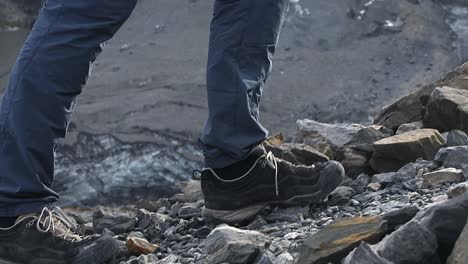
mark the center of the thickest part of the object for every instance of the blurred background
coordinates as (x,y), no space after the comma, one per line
(134,133)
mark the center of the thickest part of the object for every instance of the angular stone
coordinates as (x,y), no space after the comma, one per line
(407,109)
(374,186)
(409,127)
(227,244)
(360,183)
(460,250)
(191,192)
(143,259)
(355,161)
(325,138)
(118,223)
(364,254)
(284,258)
(384,178)
(456,138)
(448,175)
(410,108)
(288,214)
(406,147)
(447,109)
(341,195)
(138,246)
(267,258)
(411,243)
(446,221)
(171,259)
(400,217)
(335,241)
(457,190)
(189,211)
(300,154)
(454,157)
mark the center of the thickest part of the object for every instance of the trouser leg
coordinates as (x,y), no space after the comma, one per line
(243,38)
(49,74)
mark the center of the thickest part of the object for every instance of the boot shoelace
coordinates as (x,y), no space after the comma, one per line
(58,223)
(268,159)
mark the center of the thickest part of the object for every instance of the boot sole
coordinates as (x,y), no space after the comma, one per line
(35,257)
(45,255)
(327,184)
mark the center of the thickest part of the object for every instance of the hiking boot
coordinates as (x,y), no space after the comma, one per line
(48,238)
(269,181)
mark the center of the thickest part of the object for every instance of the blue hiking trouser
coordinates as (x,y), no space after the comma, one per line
(54,64)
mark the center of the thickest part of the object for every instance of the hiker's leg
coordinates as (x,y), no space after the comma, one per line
(49,74)
(244,34)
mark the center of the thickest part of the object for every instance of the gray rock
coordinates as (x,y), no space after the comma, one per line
(394,152)
(284,258)
(364,254)
(460,250)
(384,178)
(411,243)
(202,232)
(144,259)
(118,223)
(410,108)
(456,138)
(360,183)
(227,244)
(288,214)
(171,259)
(355,161)
(341,195)
(191,192)
(447,109)
(457,190)
(267,258)
(409,127)
(454,157)
(446,221)
(189,211)
(325,138)
(447,175)
(399,217)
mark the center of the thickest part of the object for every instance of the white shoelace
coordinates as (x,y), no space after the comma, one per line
(46,222)
(270,160)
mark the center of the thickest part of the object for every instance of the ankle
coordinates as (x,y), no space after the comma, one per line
(239,168)
(6,222)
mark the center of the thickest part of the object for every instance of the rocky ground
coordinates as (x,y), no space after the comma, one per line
(339,61)
(404,199)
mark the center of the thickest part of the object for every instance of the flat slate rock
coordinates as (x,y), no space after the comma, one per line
(335,241)
(393,152)
(447,175)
